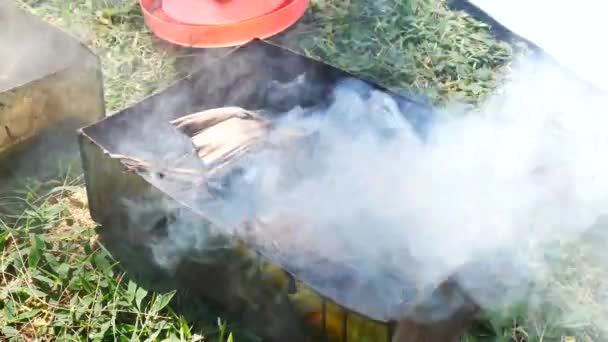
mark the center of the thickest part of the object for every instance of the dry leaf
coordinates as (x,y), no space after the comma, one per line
(221,136)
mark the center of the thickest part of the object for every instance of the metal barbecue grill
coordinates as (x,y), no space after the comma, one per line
(284,302)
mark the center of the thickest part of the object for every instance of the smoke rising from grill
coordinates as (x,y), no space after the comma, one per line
(488,199)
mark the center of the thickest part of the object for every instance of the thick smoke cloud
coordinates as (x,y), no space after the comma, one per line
(487,199)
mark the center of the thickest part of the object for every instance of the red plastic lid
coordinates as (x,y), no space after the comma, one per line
(216,12)
(221,35)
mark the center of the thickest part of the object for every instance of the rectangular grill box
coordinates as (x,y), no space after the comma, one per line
(50,85)
(271,300)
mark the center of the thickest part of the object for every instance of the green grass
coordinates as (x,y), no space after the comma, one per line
(58,283)
(416,45)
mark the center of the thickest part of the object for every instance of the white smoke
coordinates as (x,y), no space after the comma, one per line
(488,198)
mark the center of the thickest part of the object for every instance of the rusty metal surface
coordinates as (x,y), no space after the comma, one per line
(235,275)
(48,82)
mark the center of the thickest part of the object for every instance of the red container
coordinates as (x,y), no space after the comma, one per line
(223,30)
